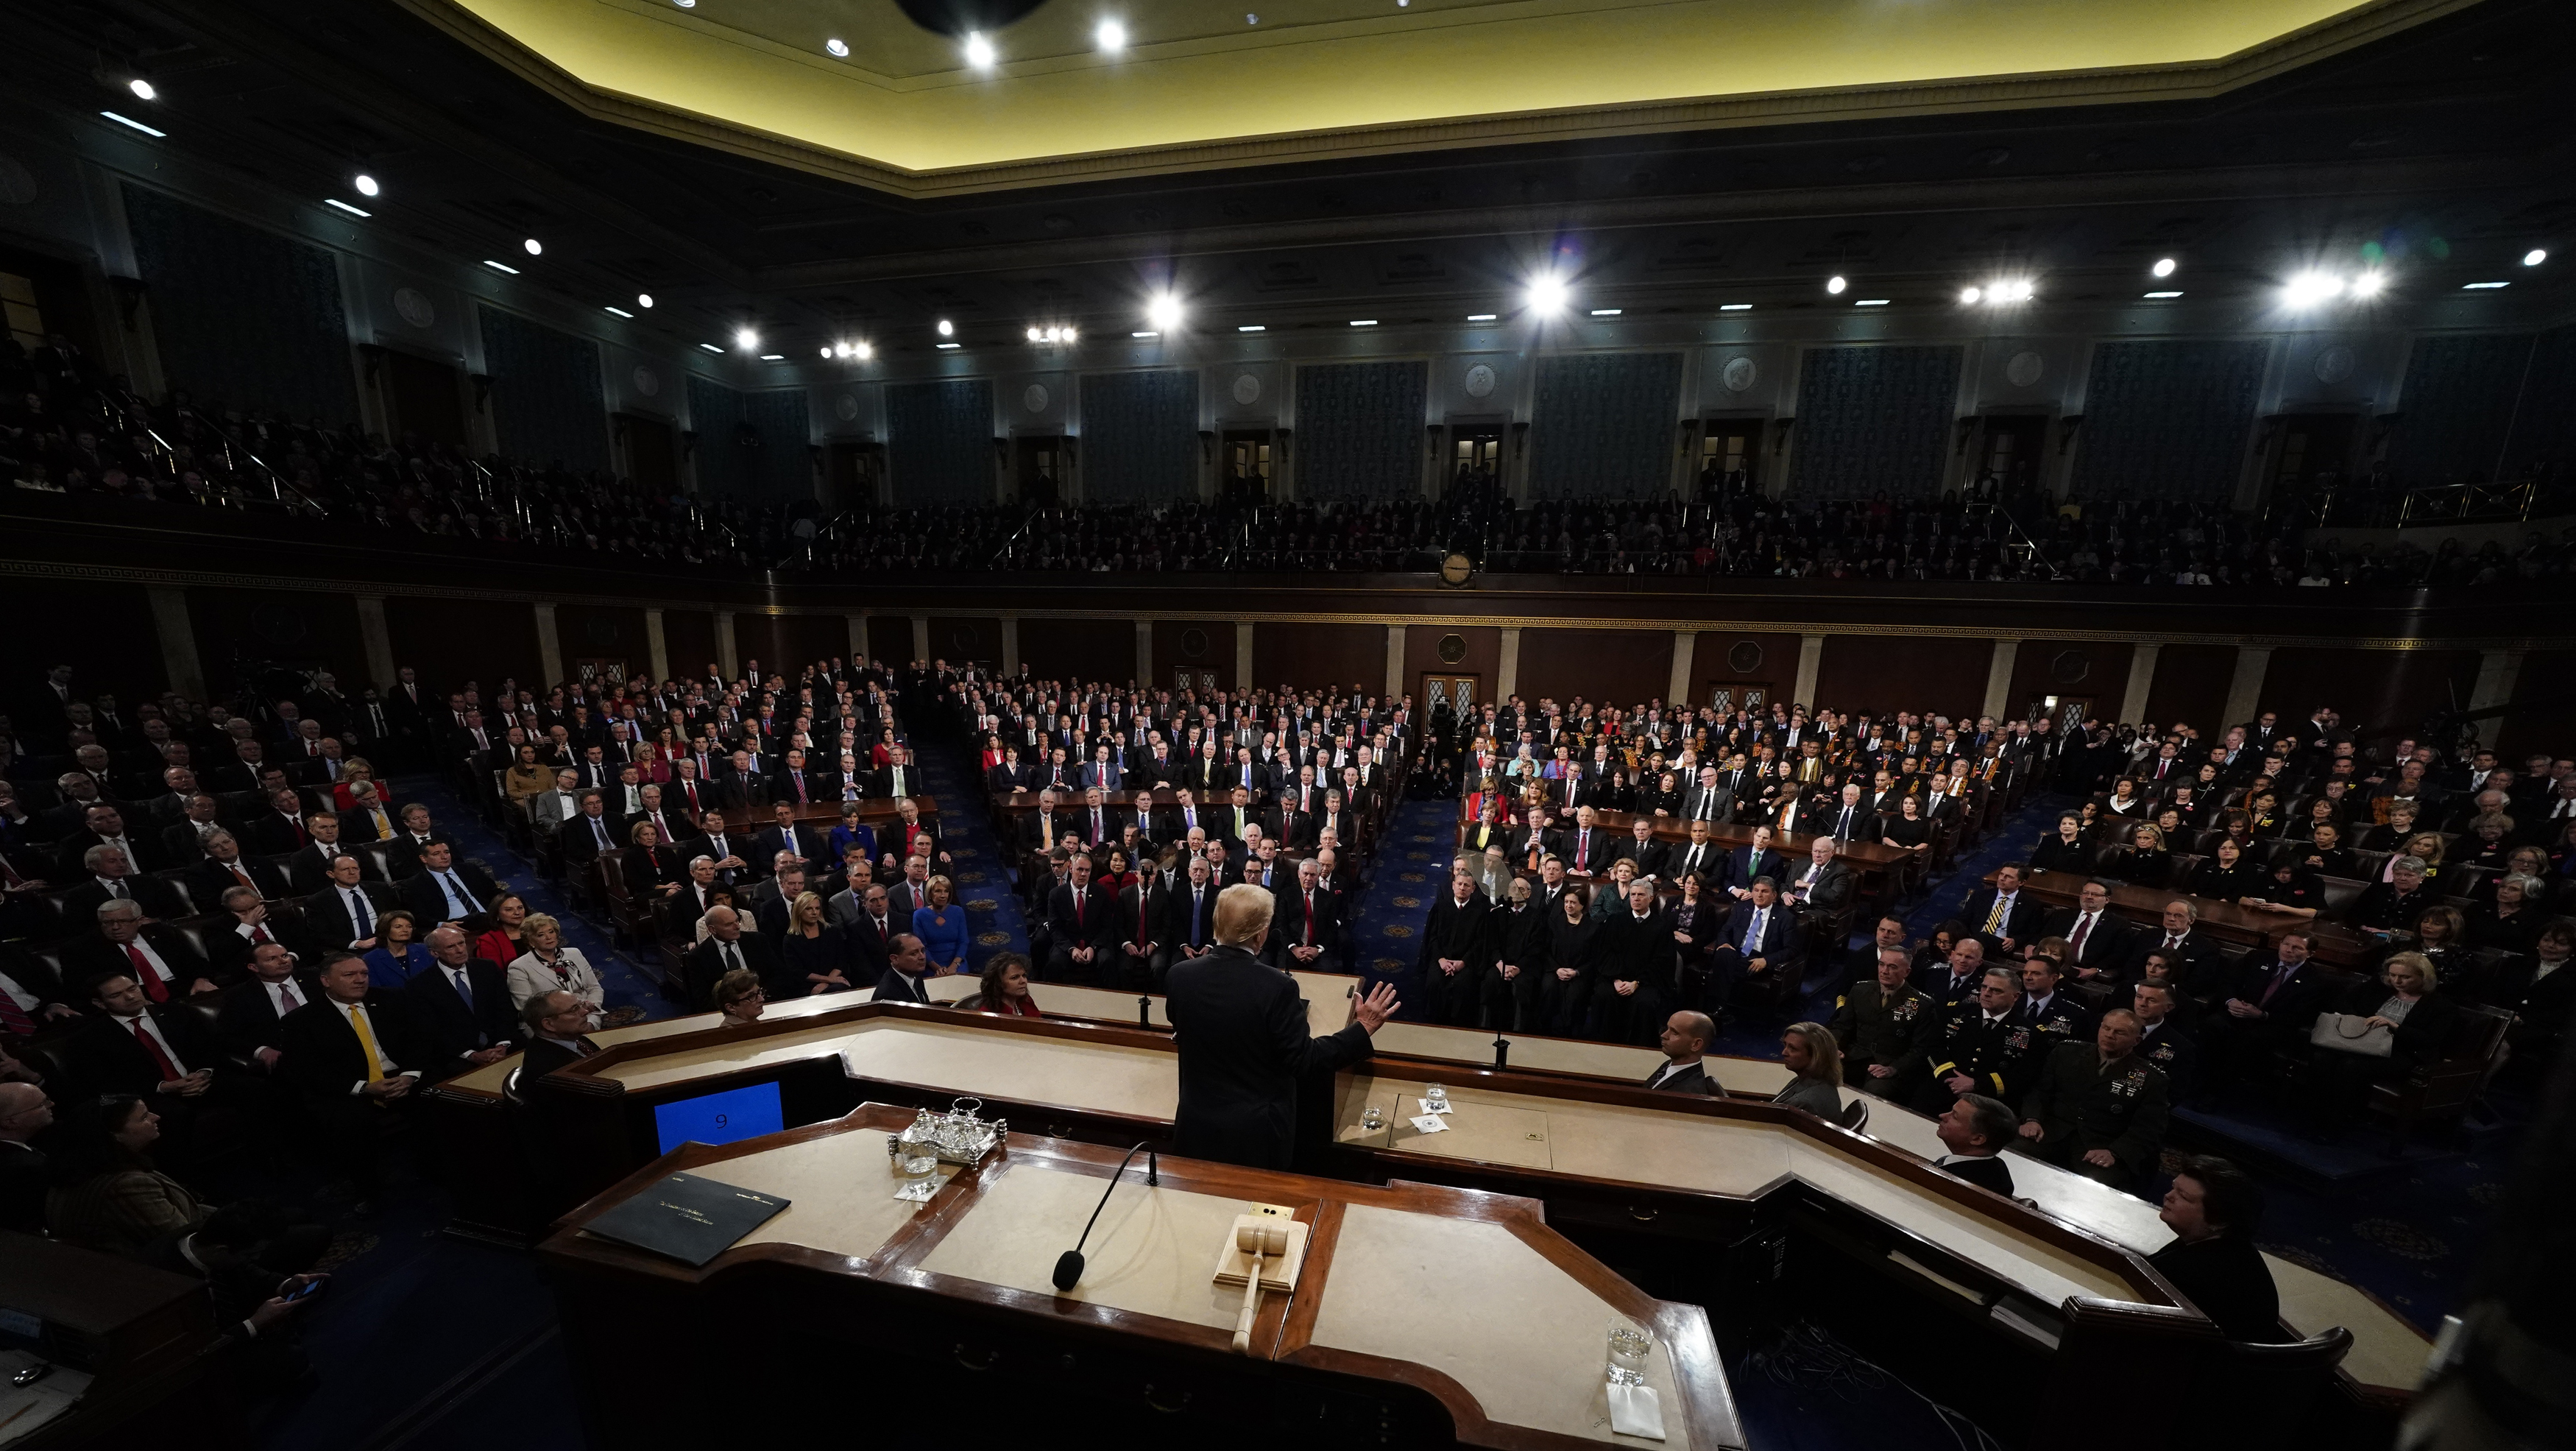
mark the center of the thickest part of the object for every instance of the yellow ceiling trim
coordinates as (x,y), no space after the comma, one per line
(1366,87)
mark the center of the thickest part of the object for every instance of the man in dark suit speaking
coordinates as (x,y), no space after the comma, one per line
(1241,1030)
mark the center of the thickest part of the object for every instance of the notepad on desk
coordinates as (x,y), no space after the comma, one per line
(687,1218)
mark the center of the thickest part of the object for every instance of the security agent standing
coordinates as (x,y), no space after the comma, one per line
(1240,1027)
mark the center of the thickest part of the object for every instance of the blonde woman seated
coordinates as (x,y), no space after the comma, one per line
(1807,1050)
(550,967)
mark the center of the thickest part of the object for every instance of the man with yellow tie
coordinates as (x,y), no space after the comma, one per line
(355,1056)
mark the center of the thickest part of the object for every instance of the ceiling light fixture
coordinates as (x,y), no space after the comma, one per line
(686,4)
(979,51)
(746,339)
(947,329)
(1835,284)
(1547,294)
(1871,302)
(142,89)
(500,266)
(1363,322)
(1144,335)
(1163,312)
(344,206)
(773,357)
(1253,327)
(2368,284)
(365,184)
(2164,267)
(710,347)
(862,351)
(827,355)
(2535,256)
(2482,286)
(1735,307)
(1606,311)
(2160,296)
(1109,35)
(643,299)
(615,311)
(1480,317)
(838,47)
(950,347)
(533,247)
(130,121)
(2310,288)
(1968,295)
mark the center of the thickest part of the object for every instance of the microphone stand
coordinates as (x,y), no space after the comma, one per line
(1068,1266)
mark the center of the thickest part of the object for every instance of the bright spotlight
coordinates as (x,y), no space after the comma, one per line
(142,89)
(1836,284)
(947,329)
(2310,288)
(1968,295)
(643,299)
(862,351)
(1163,314)
(534,247)
(1033,335)
(1110,35)
(746,339)
(838,47)
(2368,284)
(2164,267)
(979,51)
(827,355)
(365,184)
(1547,294)
(2535,256)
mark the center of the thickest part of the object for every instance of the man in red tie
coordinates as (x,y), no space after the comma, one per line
(161,1054)
(247,1022)
(1308,924)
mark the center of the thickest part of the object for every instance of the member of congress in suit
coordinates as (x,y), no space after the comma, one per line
(1685,1044)
(1240,1026)
(107,874)
(2098,942)
(1307,929)
(1759,945)
(224,867)
(907,972)
(354,1056)
(1082,928)
(555,1025)
(249,1019)
(344,914)
(447,890)
(1975,1128)
(157,954)
(463,1005)
(309,871)
(728,948)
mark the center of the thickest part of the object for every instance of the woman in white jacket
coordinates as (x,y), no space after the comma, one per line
(549,966)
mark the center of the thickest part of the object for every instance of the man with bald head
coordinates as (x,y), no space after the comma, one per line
(462,1003)
(1685,1043)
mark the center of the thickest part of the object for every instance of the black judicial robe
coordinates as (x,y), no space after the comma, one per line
(1241,1030)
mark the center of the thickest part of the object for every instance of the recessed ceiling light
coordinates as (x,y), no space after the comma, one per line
(686,4)
(1835,285)
(533,247)
(615,311)
(2311,287)
(344,206)
(1607,311)
(2368,284)
(365,184)
(837,46)
(1109,35)
(1480,317)
(500,266)
(827,355)
(1871,302)
(1363,322)
(710,347)
(2161,295)
(1546,294)
(773,357)
(947,329)
(142,89)
(1253,327)
(863,351)
(1735,307)
(950,347)
(746,339)
(2483,286)
(2535,256)
(1251,19)
(130,121)
(643,299)
(2164,267)
(979,51)
(1969,295)
(1163,313)
(1145,335)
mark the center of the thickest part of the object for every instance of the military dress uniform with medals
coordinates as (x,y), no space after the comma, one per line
(1996,1052)
(1875,1026)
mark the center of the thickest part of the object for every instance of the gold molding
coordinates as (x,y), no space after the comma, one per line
(2098,86)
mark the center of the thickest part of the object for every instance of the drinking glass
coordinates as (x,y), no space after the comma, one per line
(920,1162)
(1628,1348)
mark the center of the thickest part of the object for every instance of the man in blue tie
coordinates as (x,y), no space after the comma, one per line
(1760,947)
(443,890)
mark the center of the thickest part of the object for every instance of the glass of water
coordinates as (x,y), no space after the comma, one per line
(1372,1118)
(920,1161)
(1628,1348)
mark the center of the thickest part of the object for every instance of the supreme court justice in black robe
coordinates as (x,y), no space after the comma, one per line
(1241,1030)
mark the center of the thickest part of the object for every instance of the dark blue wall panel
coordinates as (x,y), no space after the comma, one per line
(242,316)
(939,441)
(546,401)
(1140,437)
(2168,420)
(1602,426)
(1359,430)
(1874,419)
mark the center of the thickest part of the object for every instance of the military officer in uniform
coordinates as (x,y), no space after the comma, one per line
(2164,1042)
(1957,988)
(2058,1015)
(1979,1048)
(2098,1108)
(1880,1025)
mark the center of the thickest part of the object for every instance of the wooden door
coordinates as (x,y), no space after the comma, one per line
(1458,690)
(421,395)
(1038,468)
(1729,696)
(650,462)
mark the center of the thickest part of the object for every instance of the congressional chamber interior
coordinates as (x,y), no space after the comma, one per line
(1434,723)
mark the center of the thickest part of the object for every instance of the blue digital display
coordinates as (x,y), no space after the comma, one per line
(719,1118)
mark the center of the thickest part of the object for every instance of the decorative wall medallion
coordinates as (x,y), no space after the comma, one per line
(845,408)
(965,640)
(1745,657)
(1739,375)
(1034,398)
(2025,368)
(2333,364)
(1480,381)
(1453,648)
(647,382)
(1247,389)
(414,306)
(1194,643)
(2070,667)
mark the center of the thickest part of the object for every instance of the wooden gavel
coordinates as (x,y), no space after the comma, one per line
(1255,1240)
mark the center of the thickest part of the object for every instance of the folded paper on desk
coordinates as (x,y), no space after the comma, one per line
(690,1219)
(1635,1412)
(1430,1123)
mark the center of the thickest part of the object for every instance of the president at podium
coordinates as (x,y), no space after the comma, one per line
(1240,1027)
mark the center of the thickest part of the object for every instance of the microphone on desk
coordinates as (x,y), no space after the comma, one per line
(1068,1266)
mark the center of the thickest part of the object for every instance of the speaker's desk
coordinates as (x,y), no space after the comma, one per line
(1421,1316)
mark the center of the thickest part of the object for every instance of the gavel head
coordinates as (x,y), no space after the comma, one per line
(1261,1239)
